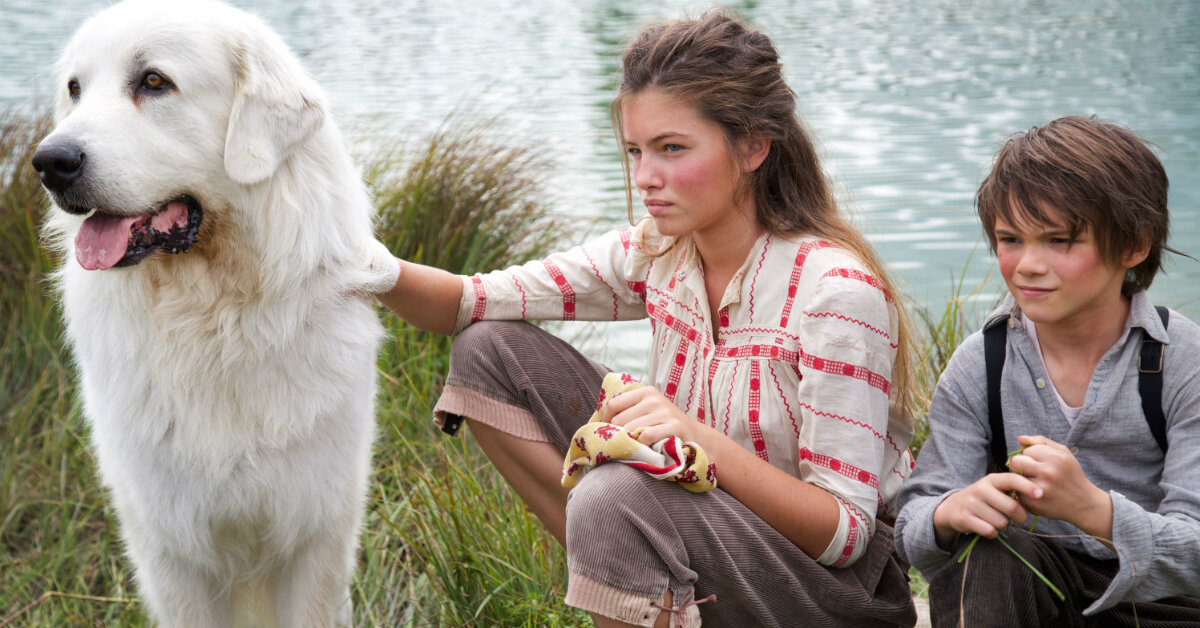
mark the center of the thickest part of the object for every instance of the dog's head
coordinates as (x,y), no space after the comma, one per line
(166,112)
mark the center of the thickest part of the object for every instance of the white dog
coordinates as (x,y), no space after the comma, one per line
(214,232)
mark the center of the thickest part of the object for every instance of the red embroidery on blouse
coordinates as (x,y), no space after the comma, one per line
(794,278)
(848,420)
(626,236)
(564,286)
(729,398)
(851,542)
(596,270)
(480,299)
(850,273)
(784,397)
(755,402)
(856,321)
(835,367)
(841,467)
(517,282)
(754,280)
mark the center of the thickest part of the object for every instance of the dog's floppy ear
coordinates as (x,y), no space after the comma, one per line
(276,105)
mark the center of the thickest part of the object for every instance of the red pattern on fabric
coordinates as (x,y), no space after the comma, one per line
(660,312)
(607,431)
(666,298)
(675,274)
(835,367)
(638,288)
(856,321)
(691,394)
(729,397)
(783,397)
(676,374)
(773,352)
(850,273)
(517,283)
(712,372)
(564,286)
(794,277)
(851,542)
(480,299)
(841,467)
(754,403)
(772,331)
(762,258)
(600,276)
(851,422)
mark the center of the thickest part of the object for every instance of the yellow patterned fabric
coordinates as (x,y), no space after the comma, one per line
(670,459)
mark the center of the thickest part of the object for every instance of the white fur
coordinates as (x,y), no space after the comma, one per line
(230,389)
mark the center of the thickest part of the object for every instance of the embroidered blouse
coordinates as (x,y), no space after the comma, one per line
(799,370)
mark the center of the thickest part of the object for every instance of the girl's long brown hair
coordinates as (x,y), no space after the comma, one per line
(733,77)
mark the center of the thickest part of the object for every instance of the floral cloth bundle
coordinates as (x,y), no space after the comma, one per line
(670,459)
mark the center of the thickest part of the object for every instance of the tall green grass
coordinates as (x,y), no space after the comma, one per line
(445,542)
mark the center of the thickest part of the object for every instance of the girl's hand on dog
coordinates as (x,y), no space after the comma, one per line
(1067,493)
(647,407)
(983,507)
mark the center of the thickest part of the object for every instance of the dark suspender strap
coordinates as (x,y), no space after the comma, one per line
(1150,382)
(995,339)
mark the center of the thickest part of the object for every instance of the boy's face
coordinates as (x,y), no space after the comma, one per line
(1058,281)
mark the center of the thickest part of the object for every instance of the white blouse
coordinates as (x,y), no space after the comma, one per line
(799,371)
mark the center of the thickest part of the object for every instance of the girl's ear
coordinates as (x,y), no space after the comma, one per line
(754,150)
(1135,255)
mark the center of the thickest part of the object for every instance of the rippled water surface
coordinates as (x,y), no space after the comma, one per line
(908,99)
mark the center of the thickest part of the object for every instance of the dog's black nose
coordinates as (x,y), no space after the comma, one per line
(59,164)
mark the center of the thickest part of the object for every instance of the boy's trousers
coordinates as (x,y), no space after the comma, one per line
(999,590)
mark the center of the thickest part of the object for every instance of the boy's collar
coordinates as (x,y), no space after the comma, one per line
(1141,314)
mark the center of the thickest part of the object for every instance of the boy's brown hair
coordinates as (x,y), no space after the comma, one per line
(1091,175)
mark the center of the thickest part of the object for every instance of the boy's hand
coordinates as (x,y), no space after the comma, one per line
(1067,493)
(983,508)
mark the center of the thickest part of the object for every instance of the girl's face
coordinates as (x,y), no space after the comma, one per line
(681,166)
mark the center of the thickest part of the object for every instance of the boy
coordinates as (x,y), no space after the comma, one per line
(1076,213)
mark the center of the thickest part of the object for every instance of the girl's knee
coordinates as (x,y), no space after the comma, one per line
(606,495)
(482,338)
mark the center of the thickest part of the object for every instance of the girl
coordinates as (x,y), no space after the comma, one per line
(779,347)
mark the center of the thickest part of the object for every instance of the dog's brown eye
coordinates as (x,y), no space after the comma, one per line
(154,81)
(73,88)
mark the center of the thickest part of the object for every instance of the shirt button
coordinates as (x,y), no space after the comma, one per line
(1041,383)
(1012,323)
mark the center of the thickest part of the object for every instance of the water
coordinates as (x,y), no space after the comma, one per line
(908,100)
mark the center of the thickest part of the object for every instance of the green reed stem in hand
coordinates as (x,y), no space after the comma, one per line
(1032,568)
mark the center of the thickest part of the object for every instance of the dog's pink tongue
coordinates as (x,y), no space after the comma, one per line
(102,240)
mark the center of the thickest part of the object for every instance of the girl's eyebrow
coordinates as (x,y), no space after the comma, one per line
(661,137)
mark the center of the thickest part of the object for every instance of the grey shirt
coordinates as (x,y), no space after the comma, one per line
(1156,498)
